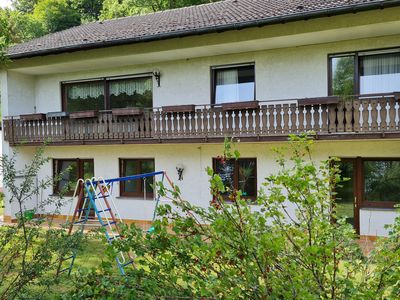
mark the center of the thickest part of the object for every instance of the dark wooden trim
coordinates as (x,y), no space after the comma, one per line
(190,140)
(319,100)
(32,117)
(179,108)
(84,114)
(357,193)
(128,111)
(240,105)
(356,77)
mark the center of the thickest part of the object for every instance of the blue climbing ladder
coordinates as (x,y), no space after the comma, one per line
(95,195)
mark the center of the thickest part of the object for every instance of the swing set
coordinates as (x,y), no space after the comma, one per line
(95,195)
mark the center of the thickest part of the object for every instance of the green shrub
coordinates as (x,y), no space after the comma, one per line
(239,249)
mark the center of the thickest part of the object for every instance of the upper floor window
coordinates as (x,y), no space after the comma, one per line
(365,73)
(233,84)
(107,94)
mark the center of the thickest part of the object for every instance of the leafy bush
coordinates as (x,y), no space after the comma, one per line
(29,249)
(238,249)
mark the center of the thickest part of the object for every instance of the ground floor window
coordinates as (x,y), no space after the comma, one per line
(140,187)
(371,182)
(238,174)
(70,171)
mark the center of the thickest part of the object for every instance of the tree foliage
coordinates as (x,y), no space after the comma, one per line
(33,18)
(122,8)
(56,15)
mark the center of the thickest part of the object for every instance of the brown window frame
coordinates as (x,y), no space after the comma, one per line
(214,69)
(122,167)
(360,188)
(106,83)
(236,174)
(80,163)
(357,65)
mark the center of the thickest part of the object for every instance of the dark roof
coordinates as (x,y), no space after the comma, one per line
(207,18)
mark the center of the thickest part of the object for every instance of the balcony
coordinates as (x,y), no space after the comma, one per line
(368,116)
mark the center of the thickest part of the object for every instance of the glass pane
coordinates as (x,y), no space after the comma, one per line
(131,168)
(234,84)
(148,167)
(345,193)
(342,76)
(380,73)
(88,169)
(134,92)
(69,175)
(226,170)
(382,181)
(247,177)
(85,96)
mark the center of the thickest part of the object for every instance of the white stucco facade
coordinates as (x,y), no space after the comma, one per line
(290,63)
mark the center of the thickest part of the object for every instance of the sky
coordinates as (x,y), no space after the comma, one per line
(5,3)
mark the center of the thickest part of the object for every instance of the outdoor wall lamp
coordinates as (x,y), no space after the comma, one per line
(179,169)
(157,76)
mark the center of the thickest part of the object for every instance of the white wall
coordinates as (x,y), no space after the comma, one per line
(288,73)
(197,157)
(20,94)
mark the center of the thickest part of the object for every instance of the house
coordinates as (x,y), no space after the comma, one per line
(161,91)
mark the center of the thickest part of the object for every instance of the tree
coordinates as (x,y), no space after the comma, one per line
(56,15)
(121,8)
(88,9)
(29,250)
(24,6)
(343,76)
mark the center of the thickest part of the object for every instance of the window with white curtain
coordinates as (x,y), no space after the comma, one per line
(83,96)
(380,73)
(109,93)
(132,92)
(234,84)
(377,73)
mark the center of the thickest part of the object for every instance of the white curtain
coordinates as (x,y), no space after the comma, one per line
(380,73)
(85,91)
(130,86)
(381,64)
(227,86)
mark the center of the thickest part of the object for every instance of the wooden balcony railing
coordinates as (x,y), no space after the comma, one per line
(330,117)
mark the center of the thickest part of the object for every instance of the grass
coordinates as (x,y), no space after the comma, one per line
(89,256)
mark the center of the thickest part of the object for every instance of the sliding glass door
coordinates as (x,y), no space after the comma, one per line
(346,198)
